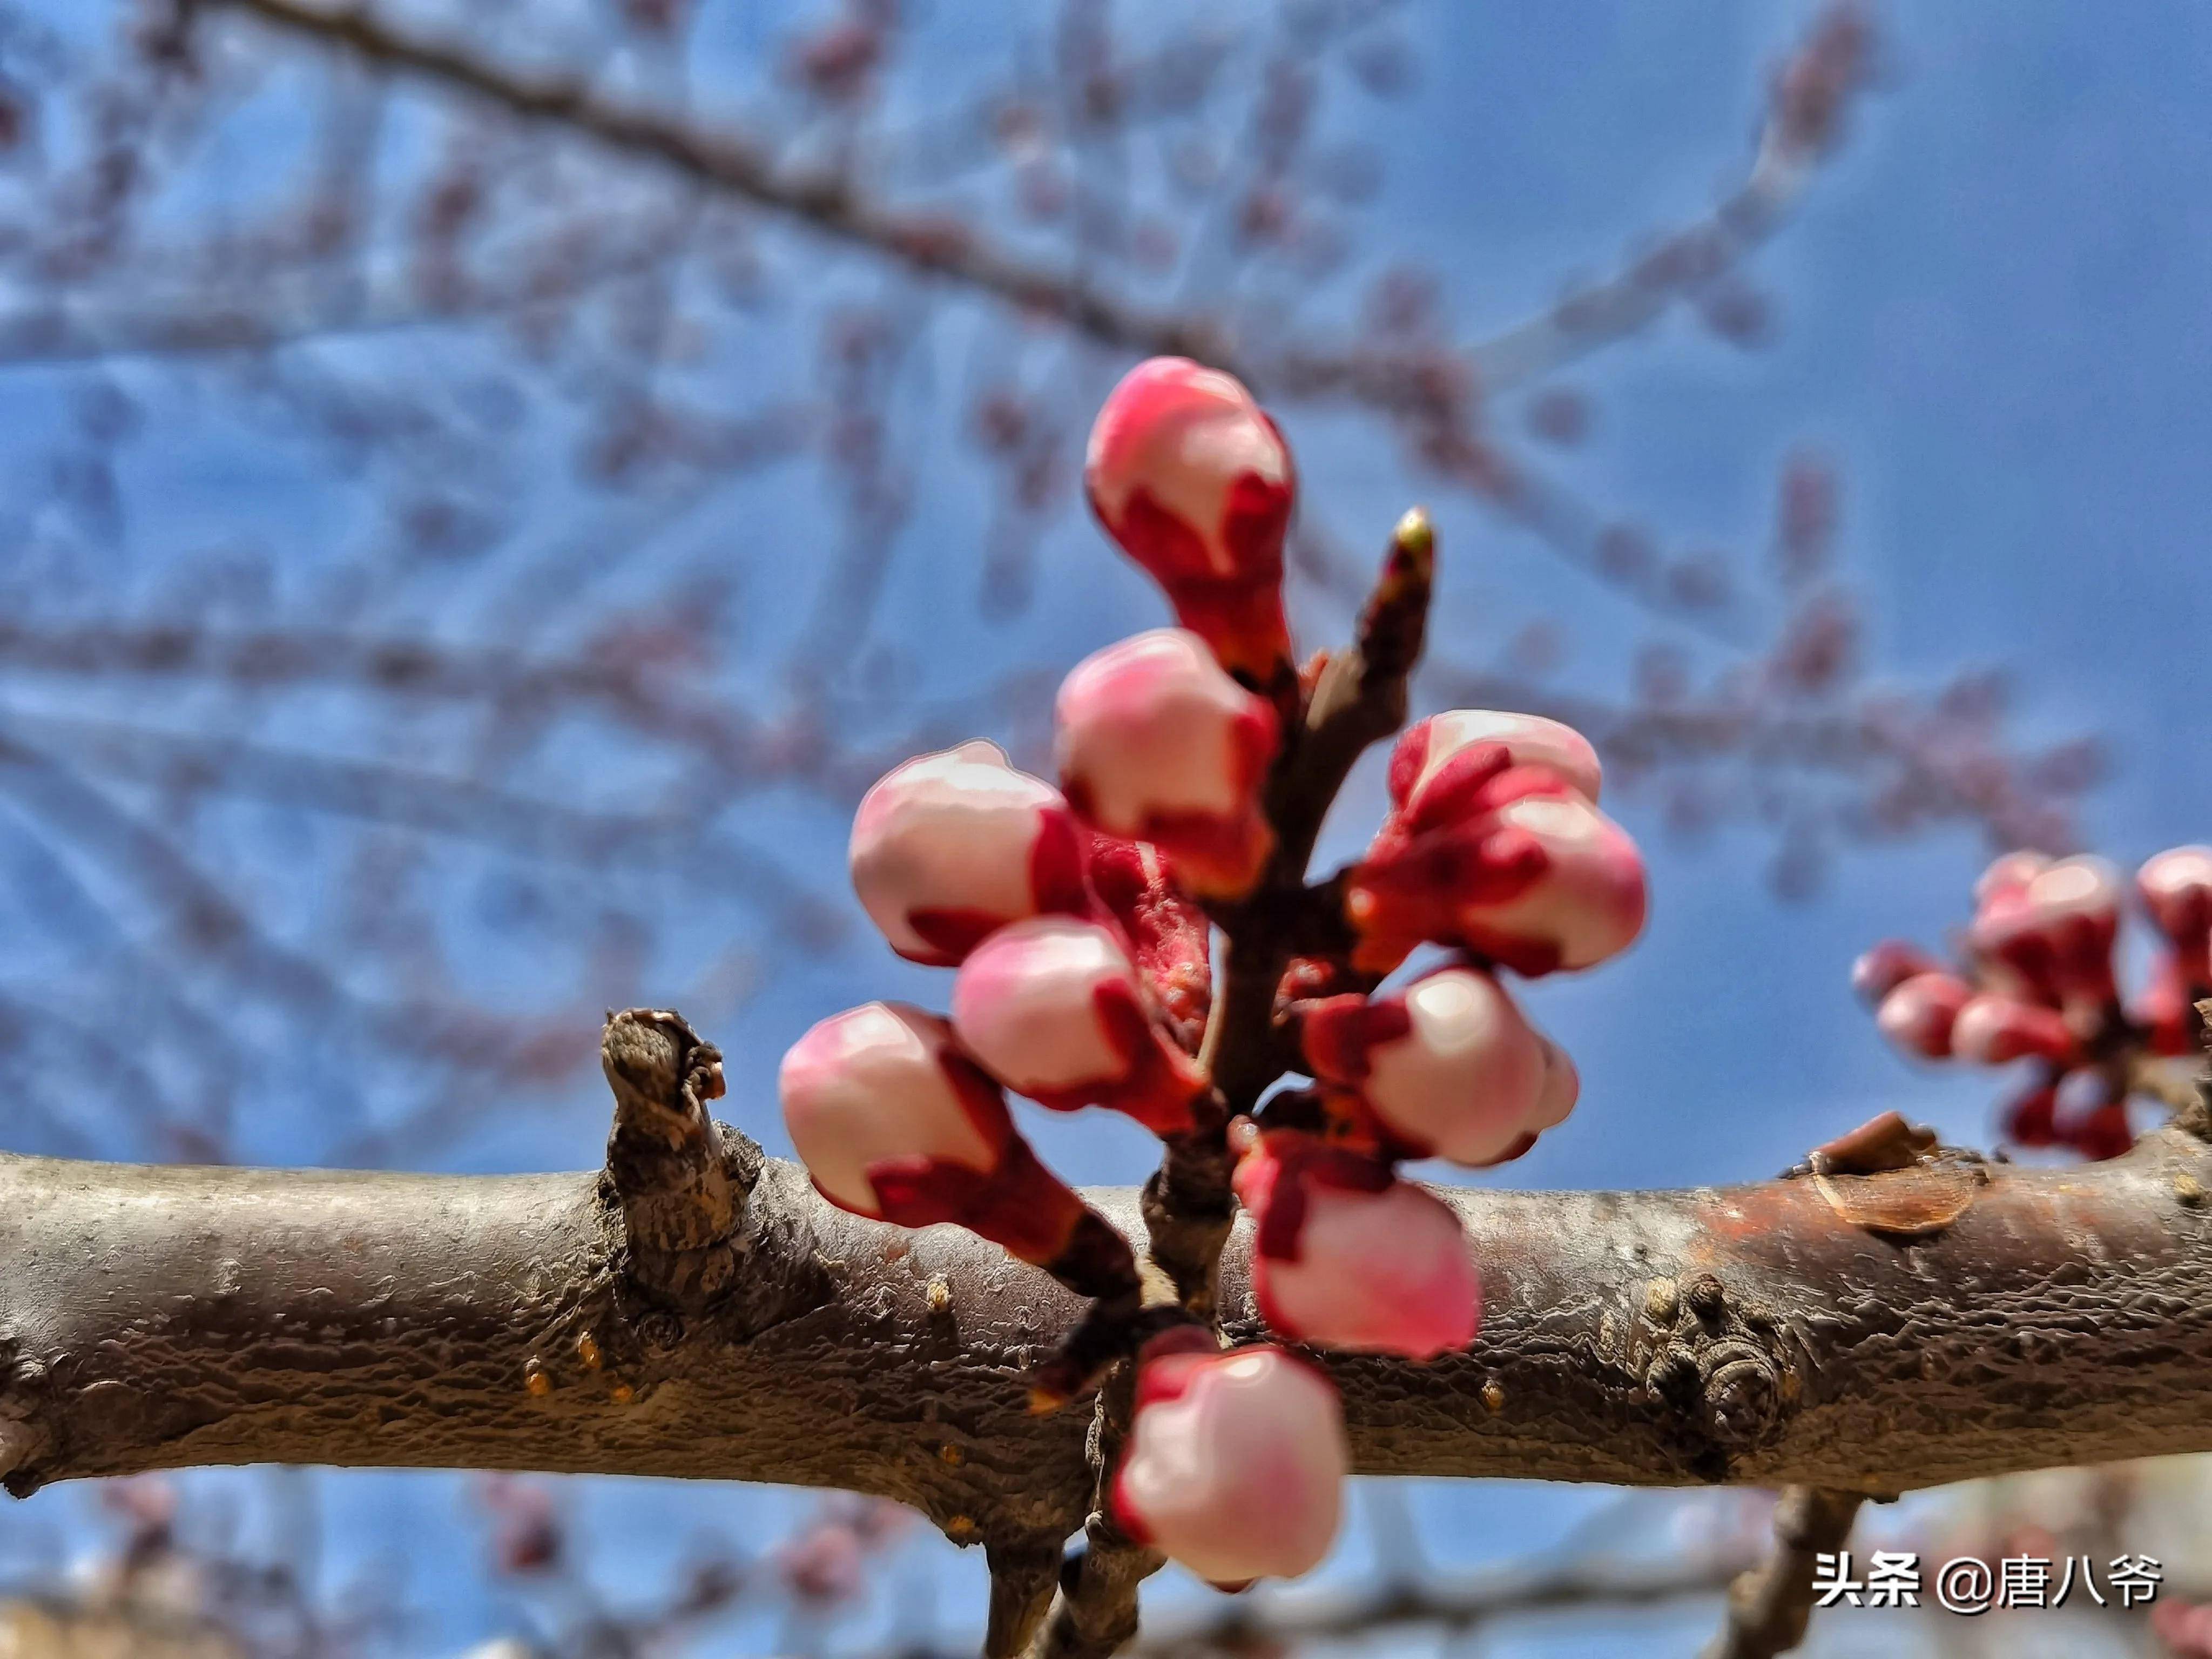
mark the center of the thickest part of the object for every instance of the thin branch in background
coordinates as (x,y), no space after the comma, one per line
(1771,1605)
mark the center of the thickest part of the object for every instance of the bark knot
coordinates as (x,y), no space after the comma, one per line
(679,1179)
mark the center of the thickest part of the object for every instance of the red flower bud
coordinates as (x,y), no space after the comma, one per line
(1349,1257)
(894,1123)
(1158,745)
(2031,1119)
(1917,1015)
(1052,1008)
(1889,965)
(2049,925)
(947,848)
(2102,1133)
(2176,887)
(1194,482)
(1448,1067)
(1512,862)
(1992,1030)
(1236,1461)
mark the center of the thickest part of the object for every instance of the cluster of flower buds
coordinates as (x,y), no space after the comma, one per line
(1073,916)
(2037,981)
(1494,843)
(1346,1254)
(1071,990)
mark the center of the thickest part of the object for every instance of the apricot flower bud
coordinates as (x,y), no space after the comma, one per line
(1887,965)
(1194,482)
(2049,925)
(1419,757)
(947,848)
(1448,1067)
(1052,1008)
(2176,886)
(1993,1030)
(1512,862)
(894,1123)
(1917,1015)
(1158,745)
(1348,1256)
(1236,1461)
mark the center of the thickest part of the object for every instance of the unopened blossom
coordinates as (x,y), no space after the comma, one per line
(1169,937)
(1887,965)
(2176,888)
(1156,743)
(1053,1009)
(1448,1067)
(2048,927)
(1347,1256)
(1235,1462)
(1992,1029)
(895,1123)
(1422,755)
(1514,863)
(950,847)
(1917,1015)
(1191,477)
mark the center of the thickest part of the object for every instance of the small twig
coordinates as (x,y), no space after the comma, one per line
(1770,1606)
(679,1180)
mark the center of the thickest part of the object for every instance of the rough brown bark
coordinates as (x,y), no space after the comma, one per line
(153,1318)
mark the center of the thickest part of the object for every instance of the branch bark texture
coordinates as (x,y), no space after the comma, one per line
(154,1318)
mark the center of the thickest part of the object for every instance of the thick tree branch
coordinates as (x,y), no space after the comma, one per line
(155,1318)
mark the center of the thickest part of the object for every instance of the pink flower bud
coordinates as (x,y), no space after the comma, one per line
(1347,1256)
(894,1123)
(1158,745)
(1052,1008)
(1993,1030)
(1512,862)
(1918,1014)
(1889,965)
(2050,927)
(1449,1067)
(1169,936)
(947,848)
(1236,1461)
(1420,756)
(1193,481)
(2176,887)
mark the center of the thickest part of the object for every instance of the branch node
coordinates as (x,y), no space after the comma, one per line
(678,1178)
